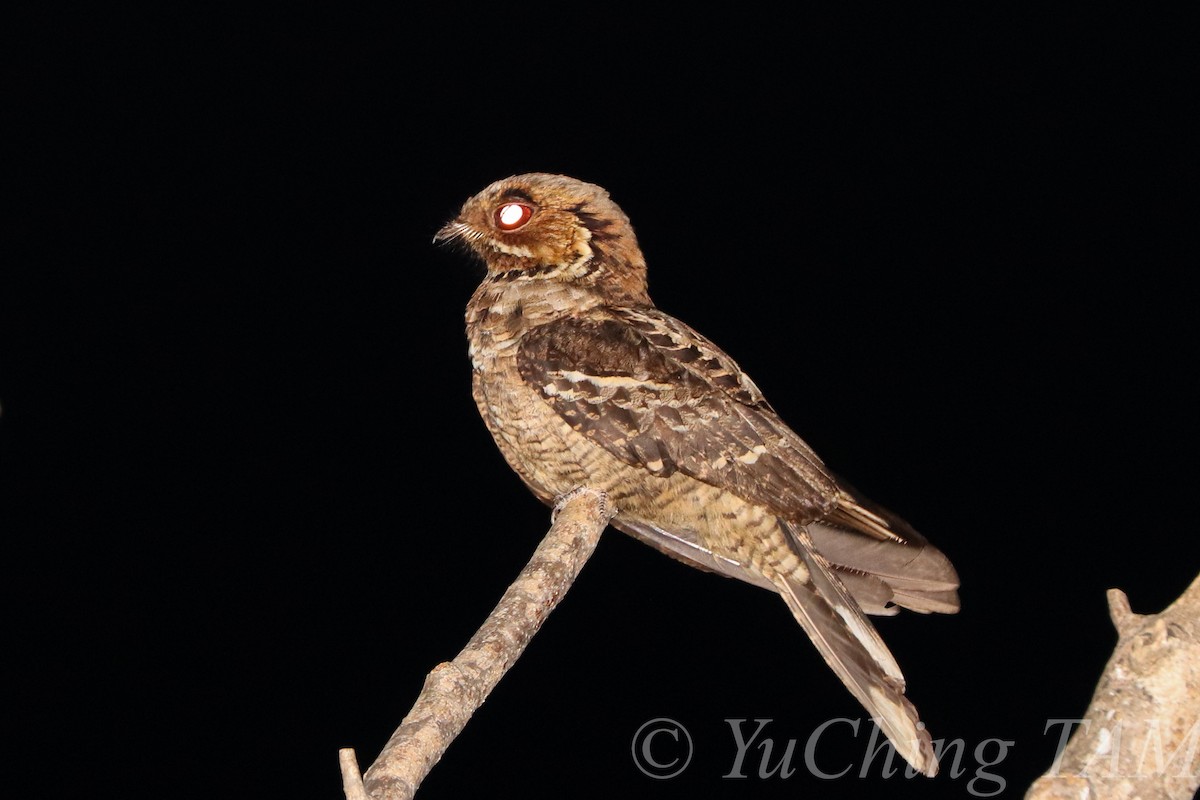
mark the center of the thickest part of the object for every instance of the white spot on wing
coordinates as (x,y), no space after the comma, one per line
(613,381)
(751,456)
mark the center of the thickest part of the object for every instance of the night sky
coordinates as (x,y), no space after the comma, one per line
(247,500)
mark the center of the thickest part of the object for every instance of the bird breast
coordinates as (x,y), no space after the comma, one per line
(537,443)
(504,309)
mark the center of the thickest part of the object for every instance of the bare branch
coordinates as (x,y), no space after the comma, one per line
(1141,735)
(455,689)
(352,784)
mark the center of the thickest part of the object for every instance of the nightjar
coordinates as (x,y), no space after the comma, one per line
(582,381)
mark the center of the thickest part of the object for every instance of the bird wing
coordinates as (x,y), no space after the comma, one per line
(658,395)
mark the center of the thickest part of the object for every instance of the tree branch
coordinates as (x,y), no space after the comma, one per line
(1142,730)
(455,689)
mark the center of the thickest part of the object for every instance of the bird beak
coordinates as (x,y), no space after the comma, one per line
(450,231)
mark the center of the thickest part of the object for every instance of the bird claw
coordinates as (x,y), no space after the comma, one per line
(561,501)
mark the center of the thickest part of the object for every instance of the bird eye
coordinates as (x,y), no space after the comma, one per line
(511,216)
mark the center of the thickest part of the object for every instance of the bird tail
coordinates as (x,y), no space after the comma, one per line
(853,649)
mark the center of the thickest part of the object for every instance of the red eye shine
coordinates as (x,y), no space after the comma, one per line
(511,216)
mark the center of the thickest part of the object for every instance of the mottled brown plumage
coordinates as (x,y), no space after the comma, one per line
(582,381)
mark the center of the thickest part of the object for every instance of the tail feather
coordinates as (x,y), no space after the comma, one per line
(852,648)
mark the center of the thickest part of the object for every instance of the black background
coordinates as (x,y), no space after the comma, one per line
(248,502)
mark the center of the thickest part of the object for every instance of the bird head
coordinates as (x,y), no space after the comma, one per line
(550,227)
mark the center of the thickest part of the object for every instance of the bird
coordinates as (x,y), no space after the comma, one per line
(583,381)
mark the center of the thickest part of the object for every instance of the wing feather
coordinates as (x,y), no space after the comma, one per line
(658,395)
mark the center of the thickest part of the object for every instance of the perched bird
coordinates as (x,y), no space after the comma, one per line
(582,381)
